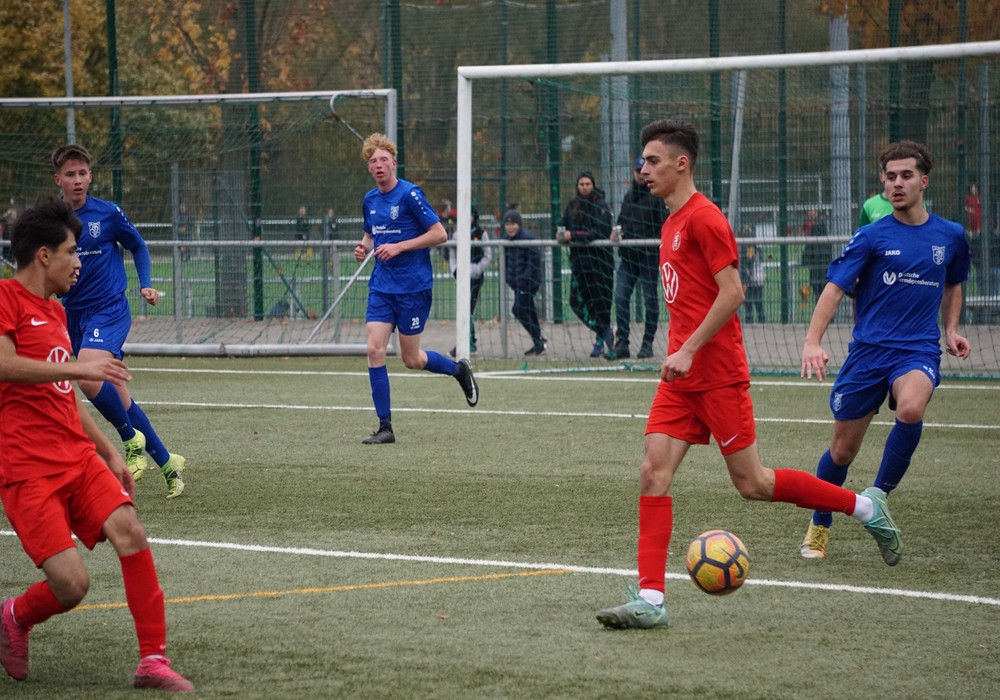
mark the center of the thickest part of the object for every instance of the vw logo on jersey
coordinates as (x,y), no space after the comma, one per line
(677,241)
(94,227)
(670,283)
(58,354)
(938,251)
(394,212)
(889,277)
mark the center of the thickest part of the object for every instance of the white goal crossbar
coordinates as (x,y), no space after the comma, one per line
(467,74)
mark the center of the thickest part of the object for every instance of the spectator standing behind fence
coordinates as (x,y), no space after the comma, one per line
(876,206)
(185,230)
(979,244)
(641,218)
(302,234)
(480,257)
(524,277)
(98,313)
(904,270)
(588,219)
(815,256)
(60,475)
(400,227)
(6,255)
(753,275)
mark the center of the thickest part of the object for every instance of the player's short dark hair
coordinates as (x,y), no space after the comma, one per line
(907,149)
(70,151)
(43,225)
(676,133)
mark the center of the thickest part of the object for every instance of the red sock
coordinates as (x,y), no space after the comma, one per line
(145,602)
(808,491)
(36,605)
(656,524)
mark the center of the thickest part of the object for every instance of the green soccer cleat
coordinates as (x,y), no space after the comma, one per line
(635,614)
(814,545)
(134,457)
(882,528)
(171,473)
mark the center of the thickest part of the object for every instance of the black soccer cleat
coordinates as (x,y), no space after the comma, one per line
(468,382)
(382,436)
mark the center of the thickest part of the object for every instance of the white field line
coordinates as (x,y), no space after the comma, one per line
(549,375)
(494,563)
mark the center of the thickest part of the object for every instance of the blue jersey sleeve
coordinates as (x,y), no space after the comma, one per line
(847,267)
(131,240)
(421,210)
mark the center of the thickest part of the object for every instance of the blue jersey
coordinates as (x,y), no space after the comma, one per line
(398,215)
(102,272)
(897,273)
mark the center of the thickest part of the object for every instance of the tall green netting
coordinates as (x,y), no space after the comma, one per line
(807,138)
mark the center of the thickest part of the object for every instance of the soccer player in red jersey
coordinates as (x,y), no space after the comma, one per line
(705,380)
(59,474)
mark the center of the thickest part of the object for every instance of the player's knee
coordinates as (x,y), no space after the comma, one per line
(910,412)
(72,589)
(413,361)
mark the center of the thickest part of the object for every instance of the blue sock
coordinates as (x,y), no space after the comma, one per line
(154,446)
(378,377)
(109,404)
(899,448)
(439,364)
(834,473)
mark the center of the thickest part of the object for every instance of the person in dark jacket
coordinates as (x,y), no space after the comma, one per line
(524,276)
(588,219)
(641,217)
(480,257)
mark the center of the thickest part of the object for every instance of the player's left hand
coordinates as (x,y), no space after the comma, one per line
(676,366)
(150,295)
(121,471)
(387,251)
(958,346)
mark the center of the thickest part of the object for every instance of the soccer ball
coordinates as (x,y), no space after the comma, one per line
(718,562)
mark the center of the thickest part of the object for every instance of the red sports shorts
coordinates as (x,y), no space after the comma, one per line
(725,413)
(46,511)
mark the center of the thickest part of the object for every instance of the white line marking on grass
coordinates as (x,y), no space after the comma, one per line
(306,551)
(543,375)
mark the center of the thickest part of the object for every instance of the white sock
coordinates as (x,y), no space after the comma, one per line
(864,509)
(652,596)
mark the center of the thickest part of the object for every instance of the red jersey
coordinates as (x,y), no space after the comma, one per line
(696,243)
(40,428)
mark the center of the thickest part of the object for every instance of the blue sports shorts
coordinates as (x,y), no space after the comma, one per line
(408,312)
(102,327)
(867,376)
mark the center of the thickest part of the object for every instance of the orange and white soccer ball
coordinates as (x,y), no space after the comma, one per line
(718,562)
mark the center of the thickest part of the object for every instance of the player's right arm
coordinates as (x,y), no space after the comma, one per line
(22,370)
(814,358)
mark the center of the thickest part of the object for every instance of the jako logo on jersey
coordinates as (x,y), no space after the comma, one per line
(94,227)
(893,252)
(889,278)
(60,355)
(938,251)
(394,213)
(670,282)
(677,241)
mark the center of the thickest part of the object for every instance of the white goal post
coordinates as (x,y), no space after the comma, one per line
(468,74)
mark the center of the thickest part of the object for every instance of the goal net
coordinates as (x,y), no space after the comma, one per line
(789,151)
